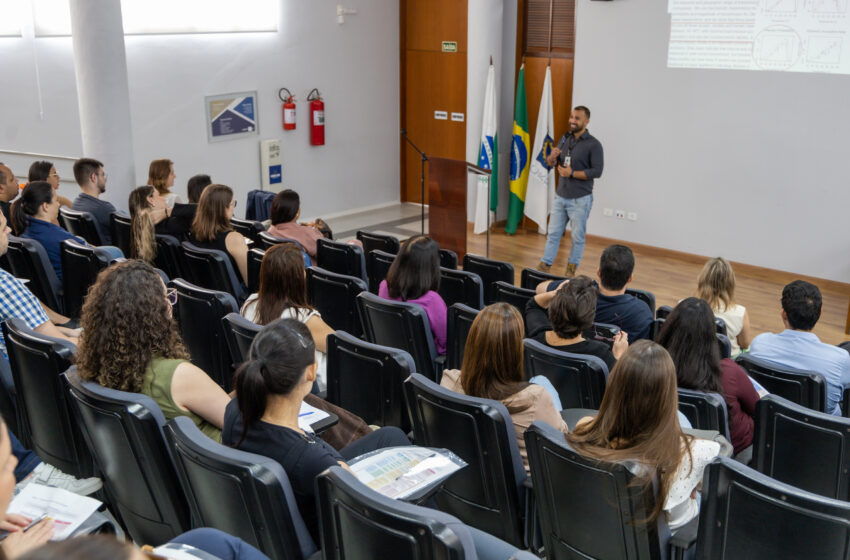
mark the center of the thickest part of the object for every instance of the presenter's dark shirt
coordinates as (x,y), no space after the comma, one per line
(585,155)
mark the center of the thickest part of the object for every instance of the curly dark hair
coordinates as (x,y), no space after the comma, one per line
(126,321)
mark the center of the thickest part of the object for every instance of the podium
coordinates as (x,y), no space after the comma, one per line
(447,184)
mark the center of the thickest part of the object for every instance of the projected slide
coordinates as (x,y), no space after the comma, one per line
(779,35)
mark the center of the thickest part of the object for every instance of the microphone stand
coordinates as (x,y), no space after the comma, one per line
(423,159)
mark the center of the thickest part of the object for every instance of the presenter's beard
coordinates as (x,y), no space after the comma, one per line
(574,128)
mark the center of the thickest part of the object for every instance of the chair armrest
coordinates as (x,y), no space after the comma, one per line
(845,403)
(684,539)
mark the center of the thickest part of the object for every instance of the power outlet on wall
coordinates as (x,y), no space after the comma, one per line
(632,216)
(620,214)
(607,212)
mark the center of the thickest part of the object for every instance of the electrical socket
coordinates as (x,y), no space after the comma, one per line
(620,214)
(607,212)
(632,216)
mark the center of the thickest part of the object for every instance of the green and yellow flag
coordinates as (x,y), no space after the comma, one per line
(520,148)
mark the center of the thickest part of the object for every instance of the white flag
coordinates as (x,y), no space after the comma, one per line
(487,154)
(541,178)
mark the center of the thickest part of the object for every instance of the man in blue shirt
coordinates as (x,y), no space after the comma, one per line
(798,347)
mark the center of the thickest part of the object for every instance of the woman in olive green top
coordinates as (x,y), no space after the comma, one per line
(130,342)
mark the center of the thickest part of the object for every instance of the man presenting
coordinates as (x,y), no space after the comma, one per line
(579,161)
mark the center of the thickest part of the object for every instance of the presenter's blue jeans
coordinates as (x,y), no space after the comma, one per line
(576,211)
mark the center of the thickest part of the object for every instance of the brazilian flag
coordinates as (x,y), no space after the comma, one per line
(520,148)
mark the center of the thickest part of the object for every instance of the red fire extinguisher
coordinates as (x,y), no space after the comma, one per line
(317,118)
(288,109)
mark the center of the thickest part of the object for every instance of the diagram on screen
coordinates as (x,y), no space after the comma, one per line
(824,49)
(828,6)
(776,7)
(776,48)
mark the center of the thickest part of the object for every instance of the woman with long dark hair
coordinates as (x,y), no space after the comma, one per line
(34,216)
(414,277)
(283,295)
(46,171)
(211,227)
(638,421)
(493,369)
(689,336)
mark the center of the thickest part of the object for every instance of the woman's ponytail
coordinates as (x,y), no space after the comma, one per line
(251,393)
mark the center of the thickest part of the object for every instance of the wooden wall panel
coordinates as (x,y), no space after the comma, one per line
(430,22)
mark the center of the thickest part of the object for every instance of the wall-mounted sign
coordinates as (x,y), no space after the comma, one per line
(449,46)
(441,115)
(457,117)
(231,115)
(271,169)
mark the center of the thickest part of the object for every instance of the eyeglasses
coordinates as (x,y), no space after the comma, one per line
(171,296)
(53,175)
(233,203)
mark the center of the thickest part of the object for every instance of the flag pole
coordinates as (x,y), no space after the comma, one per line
(489,184)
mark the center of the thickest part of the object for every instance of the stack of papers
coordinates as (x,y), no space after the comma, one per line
(400,472)
(310,415)
(68,510)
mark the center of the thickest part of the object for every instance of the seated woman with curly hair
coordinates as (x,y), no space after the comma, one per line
(130,342)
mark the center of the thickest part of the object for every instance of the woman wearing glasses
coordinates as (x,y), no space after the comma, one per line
(46,171)
(211,228)
(130,342)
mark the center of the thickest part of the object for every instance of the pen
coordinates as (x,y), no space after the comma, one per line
(35,522)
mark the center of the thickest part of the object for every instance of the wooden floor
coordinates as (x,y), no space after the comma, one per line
(672,276)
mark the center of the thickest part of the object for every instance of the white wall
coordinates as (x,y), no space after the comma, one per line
(354,65)
(748,165)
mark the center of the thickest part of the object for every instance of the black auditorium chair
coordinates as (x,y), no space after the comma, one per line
(199,313)
(663,311)
(169,256)
(335,296)
(80,224)
(490,271)
(514,295)
(459,320)
(746,514)
(725,345)
(341,258)
(377,265)
(460,286)
(267,240)
(488,493)
(402,325)
(531,278)
(645,296)
(805,388)
(448,259)
(366,379)
(720,326)
(212,269)
(601,516)
(251,229)
(124,432)
(29,261)
(378,242)
(579,378)
(80,267)
(348,511)
(806,449)
(44,414)
(239,333)
(255,261)
(243,494)
(705,411)
(121,231)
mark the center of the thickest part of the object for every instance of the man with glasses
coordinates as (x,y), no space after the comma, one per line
(90,176)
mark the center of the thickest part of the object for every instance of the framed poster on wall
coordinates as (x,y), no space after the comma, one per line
(231,116)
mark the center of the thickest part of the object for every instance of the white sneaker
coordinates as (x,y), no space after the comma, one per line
(48,475)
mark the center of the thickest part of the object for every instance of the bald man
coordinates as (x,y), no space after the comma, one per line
(8,189)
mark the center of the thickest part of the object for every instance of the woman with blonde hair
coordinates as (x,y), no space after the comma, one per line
(211,227)
(638,421)
(161,175)
(716,285)
(492,369)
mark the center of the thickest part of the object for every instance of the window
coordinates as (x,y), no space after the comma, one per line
(537,28)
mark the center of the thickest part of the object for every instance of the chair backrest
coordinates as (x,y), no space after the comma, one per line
(378,242)
(645,296)
(80,224)
(490,271)
(805,388)
(588,508)
(461,286)
(806,449)
(357,522)
(255,261)
(366,379)
(243,494)
(124,434)
(80,267)
(334,296)
(486,494)
(458,322)
(578,378)
(720,326)
(251,229)
(705,411)
(663,311)
(341,258)
(239,333)
(725,345)
(746,512)
(530,278)
(378,263)
(29,261)
(43,412)
(401,325)
(212,269)
(121,231)
(267,240)
(169,256)
(199,313)
(516,296)
(448,259)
